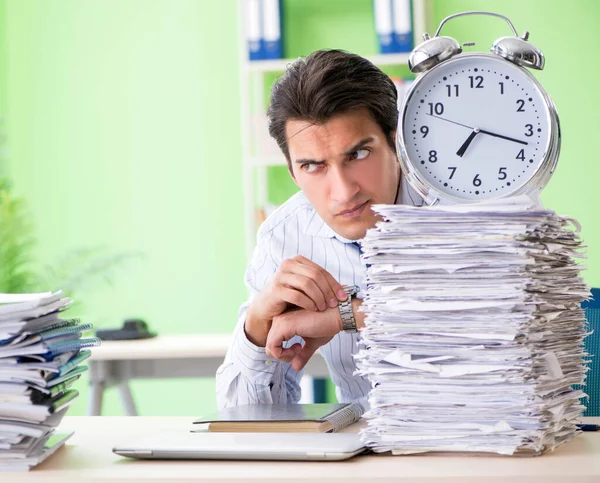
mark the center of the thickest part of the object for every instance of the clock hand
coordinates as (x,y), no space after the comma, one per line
(483,131)
(448,120)
(502,137)
(466,144)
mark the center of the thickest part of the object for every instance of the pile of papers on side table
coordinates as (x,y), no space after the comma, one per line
(474,330)
(41,356)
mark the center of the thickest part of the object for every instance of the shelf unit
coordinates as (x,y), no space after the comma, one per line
(259,152)
(279,65)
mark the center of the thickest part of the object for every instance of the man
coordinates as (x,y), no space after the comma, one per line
(334,117)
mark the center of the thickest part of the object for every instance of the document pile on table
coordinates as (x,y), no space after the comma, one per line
(474,331)
(41,355)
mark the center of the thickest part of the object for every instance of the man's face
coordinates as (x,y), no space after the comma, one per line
(344,166)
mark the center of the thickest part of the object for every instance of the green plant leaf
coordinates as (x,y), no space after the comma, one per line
(16,243)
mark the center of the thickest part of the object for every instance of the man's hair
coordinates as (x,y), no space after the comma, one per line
(328,83)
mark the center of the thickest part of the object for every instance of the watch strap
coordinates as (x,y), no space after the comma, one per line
(345,307)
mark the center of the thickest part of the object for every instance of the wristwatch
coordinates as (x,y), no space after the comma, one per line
(346,313)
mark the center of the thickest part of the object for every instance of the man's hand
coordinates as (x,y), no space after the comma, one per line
(299,282)
(316,329)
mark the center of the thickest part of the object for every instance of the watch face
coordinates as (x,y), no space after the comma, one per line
(477,127)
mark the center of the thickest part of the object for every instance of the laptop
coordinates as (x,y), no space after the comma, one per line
(243,446)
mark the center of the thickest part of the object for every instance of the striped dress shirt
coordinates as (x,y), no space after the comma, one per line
(248,375)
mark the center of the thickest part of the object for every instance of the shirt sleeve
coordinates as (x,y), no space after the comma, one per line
(248,375)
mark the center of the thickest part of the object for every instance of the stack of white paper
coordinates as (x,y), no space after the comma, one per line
(40,358)
(474,329)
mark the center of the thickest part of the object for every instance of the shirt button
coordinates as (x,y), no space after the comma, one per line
(269,362)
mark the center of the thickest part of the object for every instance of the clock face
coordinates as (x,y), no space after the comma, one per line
(477,127)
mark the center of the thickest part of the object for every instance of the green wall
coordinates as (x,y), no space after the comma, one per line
(122,125)
(123,131)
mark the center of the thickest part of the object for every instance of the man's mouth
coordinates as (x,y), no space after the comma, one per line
(353,212)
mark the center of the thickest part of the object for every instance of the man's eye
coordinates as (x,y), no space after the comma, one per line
(360,154)
(310,167)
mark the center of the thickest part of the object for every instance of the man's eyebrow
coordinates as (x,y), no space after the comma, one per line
(350,151)
(309,161)
(358,145)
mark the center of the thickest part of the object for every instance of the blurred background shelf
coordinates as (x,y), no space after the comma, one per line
(279,65)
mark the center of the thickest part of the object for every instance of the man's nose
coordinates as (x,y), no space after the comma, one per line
(343,188)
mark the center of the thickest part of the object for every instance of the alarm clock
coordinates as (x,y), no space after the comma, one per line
(477,126)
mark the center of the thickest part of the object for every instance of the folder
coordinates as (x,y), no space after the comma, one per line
(402,26)
(38,450)
(283,418)
(38,412)
(254,39)
(383,25)
(271,21)
(52,348)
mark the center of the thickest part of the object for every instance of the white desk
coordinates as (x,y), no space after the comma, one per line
(88,457)
(114,363)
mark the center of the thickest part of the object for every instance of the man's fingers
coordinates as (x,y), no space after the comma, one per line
(302,358)
(309,278)
(281,331)
(295,297)
(307,286)
(332,291)
(285,355)
(337,290)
